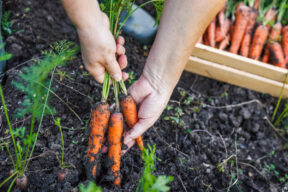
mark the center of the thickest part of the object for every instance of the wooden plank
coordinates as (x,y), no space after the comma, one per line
(235,77)
(239,62)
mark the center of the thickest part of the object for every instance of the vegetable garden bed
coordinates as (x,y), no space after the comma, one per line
(212,137)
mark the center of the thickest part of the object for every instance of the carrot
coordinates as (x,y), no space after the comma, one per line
(274,36)
(114,138)
(270,17)
(129,109)
(211,33)
(21,182)
(242,18)
(277,56)
(99,123)
(285,42)
(221,22)
(258,42)
(256,4)
(224,43)
(245,44)
(205,38)
(221,33)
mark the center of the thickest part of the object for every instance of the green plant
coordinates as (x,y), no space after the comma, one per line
(132,78)
(91,187)
(175,116)
(4,56)
(34,83)
(63,74)
(272,169)
(58,124)
(148,181)
(6,24)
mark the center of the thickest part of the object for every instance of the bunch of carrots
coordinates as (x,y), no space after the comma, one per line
(102,118)
(251,28)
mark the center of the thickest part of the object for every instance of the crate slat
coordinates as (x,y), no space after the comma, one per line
(234,76)
(238,62)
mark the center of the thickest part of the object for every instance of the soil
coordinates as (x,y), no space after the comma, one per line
(212,137)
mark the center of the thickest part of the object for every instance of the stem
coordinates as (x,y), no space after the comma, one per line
(9,125)
(62,140)
(8,178)
(11,184)
(279,100)
(123,87)
(7,146)
(282,9)
(116,93)
(105,87)
(41,119)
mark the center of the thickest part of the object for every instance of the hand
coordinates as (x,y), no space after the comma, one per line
(151,101)
(99,50)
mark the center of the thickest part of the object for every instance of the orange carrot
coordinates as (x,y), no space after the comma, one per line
(285,42)
(256,4)
(99,123)
(205,38)
(277,56)
(129,109)
(114,138)
(211,33)
(274,36)
(221,33)
(245,44)
(258,42)
(242,18)
(221,22)
(270,17)
(224,43)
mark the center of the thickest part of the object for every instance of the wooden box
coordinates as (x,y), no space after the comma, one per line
(237,70)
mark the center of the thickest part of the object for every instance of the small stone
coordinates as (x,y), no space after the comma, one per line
(256,128)
(223,117)
(55,147)
(245,113)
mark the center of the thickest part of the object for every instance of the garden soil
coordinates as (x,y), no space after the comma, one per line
(212,137)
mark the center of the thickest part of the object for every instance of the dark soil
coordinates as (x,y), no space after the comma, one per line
(214,137)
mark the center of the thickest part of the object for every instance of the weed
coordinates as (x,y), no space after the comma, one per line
(91,187)
(27,9)
(176,114)
(148,181)
(132,78)
(4,56)
(63,74)
(6,24)
(272,169)
(188,100)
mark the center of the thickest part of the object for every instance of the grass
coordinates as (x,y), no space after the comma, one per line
(6,24)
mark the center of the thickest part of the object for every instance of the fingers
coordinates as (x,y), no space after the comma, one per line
(120,50)
(129,145)
(120,40)
(122,60)
(97,71)
(125,76)
(113,68)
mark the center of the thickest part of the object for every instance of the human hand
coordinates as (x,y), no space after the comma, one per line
(99,50)
(152,100)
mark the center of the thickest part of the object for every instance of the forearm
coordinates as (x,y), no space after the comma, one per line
(181,25)
(83,13)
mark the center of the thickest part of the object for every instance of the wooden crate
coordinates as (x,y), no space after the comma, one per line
(237,70)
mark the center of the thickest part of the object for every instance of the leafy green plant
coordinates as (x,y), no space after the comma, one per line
(132,78)
(4,56)
(91,187)
(63,74)
(36,86)
(175,116)
(148,181)
(6,24)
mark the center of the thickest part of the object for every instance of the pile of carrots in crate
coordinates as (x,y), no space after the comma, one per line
(257,29)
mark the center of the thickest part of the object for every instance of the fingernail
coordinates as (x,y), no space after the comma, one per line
(117,77)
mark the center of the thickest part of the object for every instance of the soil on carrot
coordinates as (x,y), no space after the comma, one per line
(212,136)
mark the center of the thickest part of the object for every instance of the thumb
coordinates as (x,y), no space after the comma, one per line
(113,68)
(139,128)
